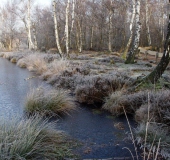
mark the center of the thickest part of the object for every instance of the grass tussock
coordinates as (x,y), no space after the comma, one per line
(55,68)
(96,88)
(36,63)
(31,139)
(49,102)
(131,102)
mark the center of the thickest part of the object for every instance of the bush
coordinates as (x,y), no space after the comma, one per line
(49,101)
(31,139)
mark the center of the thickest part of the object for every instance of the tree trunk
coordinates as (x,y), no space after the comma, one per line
(56,29)
(66,28)
(91,38)
(160,68)
(80,37)
(30,43)
(35,38)
(110,26)
(147,23)
(73,19)
(131,31)
(134,50)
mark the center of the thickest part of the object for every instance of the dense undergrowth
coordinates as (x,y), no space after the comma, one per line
(103,79)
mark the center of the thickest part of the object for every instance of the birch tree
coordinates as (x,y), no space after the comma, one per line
(131,29)
(110,25)
(135,45)
(35,37)
(147,22)
(30,43)
(72,20)
(66,28)
(56,29)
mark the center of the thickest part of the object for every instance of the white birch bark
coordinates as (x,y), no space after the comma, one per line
(31,45)
(72,20)
(35,38)
(91,39)
(110,26)
(134,50)
(56,29)
(80,37)
(131,29)
(66,28)
(147,23)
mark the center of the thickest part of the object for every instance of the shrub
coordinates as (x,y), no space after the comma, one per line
(31,139)
(49,101)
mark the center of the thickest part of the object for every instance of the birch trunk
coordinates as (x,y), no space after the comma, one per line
(56,29)
(66,28)
(72,21)
(30,43)
(147,23)
(35,38)
(131,30)
(110,26)
(80,37)
(91,39)
(134,50)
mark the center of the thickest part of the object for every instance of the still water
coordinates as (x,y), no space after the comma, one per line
(93,127)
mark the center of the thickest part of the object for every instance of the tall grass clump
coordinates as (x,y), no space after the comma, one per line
(95,88)
(115,102)
(31,139)
(50,102)
(34,63)
(55,68)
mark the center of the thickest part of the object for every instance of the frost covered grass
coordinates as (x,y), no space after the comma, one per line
(50,102)
(55,68)
(93,89)
(31,138)
(34,63)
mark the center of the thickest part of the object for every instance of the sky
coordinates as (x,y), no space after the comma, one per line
(41,2)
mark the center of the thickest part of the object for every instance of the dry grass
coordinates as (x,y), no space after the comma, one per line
(131,102)
(94,89)
(31,138)
(47,101)
(159,108)
(157,139)
(36,63)
(55,68)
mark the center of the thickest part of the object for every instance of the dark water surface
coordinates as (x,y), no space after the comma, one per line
(93,127)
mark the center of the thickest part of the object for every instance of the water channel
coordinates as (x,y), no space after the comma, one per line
(93,127)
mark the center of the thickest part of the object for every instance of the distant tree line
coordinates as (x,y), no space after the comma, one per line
(100,25)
